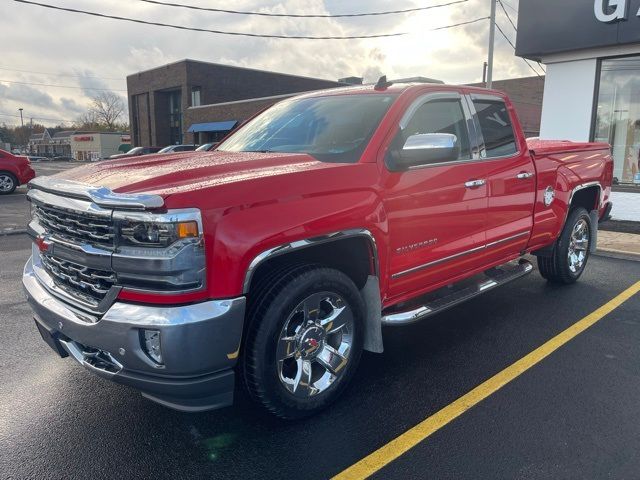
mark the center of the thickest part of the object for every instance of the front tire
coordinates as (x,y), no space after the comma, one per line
(304,340)
(571,251)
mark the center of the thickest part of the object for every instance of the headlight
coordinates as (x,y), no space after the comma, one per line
(156,234)
(160,252)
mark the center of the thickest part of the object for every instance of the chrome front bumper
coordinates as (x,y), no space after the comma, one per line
(199,344)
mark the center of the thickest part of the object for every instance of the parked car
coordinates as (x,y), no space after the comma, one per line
(63,158)
(37,159)
(178,148)
(136,152)
(277,259)
(15,170)
(205,147)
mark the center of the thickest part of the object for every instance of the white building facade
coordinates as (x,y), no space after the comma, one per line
(591,51)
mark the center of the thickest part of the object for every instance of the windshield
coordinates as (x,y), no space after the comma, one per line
(167,149)
(332,128)
(135,150)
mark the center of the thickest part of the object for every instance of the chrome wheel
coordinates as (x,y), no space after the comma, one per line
(6,183)
(578,246)
(314,344)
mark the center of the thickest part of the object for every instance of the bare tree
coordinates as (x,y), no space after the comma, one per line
(105,110)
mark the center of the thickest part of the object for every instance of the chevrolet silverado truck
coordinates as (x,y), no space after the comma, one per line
(272,262)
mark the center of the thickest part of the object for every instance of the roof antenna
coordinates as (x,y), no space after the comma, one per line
(382,83)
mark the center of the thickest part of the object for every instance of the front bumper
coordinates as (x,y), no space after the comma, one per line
(199,344)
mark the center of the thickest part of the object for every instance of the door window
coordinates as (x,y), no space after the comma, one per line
(441,116)
(497,130)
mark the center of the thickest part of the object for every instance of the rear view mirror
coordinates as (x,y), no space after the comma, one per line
(425,149)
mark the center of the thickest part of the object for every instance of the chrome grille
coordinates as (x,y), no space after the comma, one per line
(76,227)
(86,283)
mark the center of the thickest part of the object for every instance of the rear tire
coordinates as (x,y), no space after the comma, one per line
(8,183)
(304,340)
(571,251)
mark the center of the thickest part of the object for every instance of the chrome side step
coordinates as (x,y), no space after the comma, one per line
(444,299)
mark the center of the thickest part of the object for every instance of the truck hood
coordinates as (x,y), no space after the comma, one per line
(167,174)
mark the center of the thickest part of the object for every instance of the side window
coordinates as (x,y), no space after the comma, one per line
(495,123)
(441,116)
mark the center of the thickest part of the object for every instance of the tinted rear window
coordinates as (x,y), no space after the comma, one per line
(497,130)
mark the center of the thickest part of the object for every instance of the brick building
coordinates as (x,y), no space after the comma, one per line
(159,98)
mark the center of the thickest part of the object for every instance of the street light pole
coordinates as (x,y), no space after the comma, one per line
(492,36)
(21,120)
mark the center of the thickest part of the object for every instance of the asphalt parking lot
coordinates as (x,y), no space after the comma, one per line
(573,415)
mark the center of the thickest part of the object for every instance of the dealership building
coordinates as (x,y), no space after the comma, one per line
(591,50)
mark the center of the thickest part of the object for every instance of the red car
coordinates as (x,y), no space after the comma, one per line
(15,170)
(276,259)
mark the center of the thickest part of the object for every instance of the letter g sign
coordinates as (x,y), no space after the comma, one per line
(601,9)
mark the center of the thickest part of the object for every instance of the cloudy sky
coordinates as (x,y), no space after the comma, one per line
(43,46)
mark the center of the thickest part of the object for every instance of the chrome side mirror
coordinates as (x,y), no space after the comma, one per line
(425,149)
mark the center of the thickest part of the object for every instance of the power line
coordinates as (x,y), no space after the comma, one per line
(220,32)
(291,15)
(511,7)
(195,29)
(60,74)
(459,24)
(516,28)
(37,118)
(64,86)
(514,47)
(507,15)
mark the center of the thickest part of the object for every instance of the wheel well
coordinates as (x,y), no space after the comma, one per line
(352,256)
(587,198)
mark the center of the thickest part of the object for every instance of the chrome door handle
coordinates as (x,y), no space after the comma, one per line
(475,183)
(524,175)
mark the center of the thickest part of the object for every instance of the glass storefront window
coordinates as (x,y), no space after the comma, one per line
(618,114)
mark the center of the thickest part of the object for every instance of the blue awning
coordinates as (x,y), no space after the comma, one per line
(213,126)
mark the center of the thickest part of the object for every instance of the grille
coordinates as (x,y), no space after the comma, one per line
(86,283)
(76,227)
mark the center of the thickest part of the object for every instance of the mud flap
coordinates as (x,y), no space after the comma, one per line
(373,324)
(593,245)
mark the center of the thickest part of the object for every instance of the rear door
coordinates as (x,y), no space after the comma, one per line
(511,179)
(436,212)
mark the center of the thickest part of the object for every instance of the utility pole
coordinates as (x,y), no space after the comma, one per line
(492,36)
(21,120)
(484,73)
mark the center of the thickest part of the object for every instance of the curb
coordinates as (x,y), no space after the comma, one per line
(619,254)
(6,233)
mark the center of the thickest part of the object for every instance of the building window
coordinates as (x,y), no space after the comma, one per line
(195,96)
(175,118)
(618,114)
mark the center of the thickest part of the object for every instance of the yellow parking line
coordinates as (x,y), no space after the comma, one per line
(412,437)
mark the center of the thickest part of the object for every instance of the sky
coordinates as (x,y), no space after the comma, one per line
(47,47)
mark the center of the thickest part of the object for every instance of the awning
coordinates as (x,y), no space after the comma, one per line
(213,126)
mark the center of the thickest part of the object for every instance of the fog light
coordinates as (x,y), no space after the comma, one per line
(151,344)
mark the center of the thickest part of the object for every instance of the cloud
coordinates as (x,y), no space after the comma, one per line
(100,53)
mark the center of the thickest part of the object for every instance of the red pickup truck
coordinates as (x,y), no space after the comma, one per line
(278,257)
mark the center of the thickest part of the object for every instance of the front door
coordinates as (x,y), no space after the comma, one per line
(436,212)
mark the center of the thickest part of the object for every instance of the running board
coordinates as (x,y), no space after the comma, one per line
(439,302)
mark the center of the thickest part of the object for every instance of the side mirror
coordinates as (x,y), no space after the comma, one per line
(424,149)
